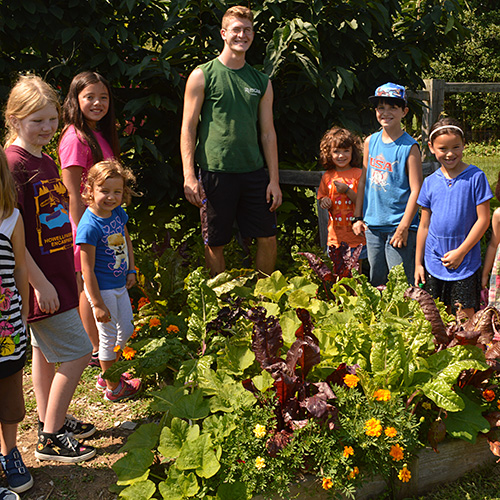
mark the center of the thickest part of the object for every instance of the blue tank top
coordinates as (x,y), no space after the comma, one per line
(387,187)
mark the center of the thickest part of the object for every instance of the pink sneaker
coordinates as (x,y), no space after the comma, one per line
(125,389)
(101,383)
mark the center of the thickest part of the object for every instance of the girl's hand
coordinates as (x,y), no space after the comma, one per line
(102,314)
(359,227)
(131,281)
(325,203)
(399,238)
(341,187)
(452,259)
(419,274)
(47,298)
(485,282)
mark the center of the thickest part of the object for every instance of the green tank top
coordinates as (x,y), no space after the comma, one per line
(227,134)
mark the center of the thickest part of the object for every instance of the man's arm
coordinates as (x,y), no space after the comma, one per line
(270,147)
(193,101)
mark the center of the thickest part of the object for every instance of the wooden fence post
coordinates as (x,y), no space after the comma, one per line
(430,113)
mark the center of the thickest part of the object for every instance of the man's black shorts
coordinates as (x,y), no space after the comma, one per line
(235,196)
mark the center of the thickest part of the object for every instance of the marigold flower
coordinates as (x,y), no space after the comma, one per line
(260,463)
(351,380)
(404,474)
(390,432)
(373,427)
(327,483)
(172,329)
(128,352)
(353,473)
(498,404)
(154,322)
(426,405)
(142,302)
(117,348)
(348,451)
(134,334)
(382,395)
(397,453)
(489,394)
(259,431)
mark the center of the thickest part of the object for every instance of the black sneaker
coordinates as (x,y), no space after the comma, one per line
(79,429)
(62,447)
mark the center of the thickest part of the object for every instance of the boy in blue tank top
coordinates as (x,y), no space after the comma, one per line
(386,206)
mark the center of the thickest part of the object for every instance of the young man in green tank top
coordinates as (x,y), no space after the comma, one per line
(227,109)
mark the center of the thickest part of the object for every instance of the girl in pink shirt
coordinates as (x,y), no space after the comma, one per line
(89,136)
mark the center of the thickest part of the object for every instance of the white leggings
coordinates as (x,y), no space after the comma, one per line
(120,328)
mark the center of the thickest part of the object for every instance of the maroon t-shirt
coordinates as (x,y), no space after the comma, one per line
(43,202)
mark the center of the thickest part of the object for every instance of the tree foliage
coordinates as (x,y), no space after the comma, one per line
(324,58)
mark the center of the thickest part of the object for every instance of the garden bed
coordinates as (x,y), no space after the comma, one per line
(429,470)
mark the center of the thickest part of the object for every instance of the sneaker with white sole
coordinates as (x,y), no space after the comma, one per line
(125,389)
(79,429)
(6,494)
(18,476)
(62,447)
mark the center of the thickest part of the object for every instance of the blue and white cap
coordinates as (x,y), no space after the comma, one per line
(389,91)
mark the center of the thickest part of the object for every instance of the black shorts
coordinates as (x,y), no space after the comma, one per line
(466,292)
(240,197)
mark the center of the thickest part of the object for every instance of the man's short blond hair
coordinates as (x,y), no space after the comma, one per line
(236,11)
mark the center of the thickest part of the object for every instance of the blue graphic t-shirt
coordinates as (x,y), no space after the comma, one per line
(111,252)
(387,186)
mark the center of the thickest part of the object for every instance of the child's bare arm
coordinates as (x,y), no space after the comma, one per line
(423,231)
(343,188)
(87,253)
(454,258)
(45,293)
(414,168)
(131,276)
(489,257)
(359,227)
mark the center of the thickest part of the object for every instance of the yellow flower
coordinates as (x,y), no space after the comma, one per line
(351,380)
(154,322)
(373,427)
(327,483)
(404,474)
(390,432)
(426,405)
(397,452)
(382,395)
(353,473)
(117,348)
(260,463)
(348,451)
(259,431)
(498,404)
(172,329)
(128,352)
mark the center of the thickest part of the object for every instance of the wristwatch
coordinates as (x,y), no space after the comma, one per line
(356,219)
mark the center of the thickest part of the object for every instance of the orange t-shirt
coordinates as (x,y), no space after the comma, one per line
(342,209)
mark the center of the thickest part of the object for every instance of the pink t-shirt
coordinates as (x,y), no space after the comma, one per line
(75,152)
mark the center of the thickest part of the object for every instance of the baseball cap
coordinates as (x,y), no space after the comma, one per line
(389,91)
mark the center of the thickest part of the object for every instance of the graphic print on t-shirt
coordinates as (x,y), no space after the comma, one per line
(380,170)
(51,203)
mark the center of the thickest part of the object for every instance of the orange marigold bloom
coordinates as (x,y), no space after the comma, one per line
(397,452)
(172,329)
(498,404)
(128,352)
(142,302)
(117,348)
(327,483)
(382,395)
(404,474)
(348,451)
(351,380)
(154,322)
(353,473)
(390,432)
(489,395)
(373,427)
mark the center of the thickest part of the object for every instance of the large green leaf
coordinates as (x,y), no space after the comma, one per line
(232,491)
(219,426)
(134,466)
(467,423)
(179,486)
(142,490)
(146,436)
(273,287)
(172,439)
(199,455)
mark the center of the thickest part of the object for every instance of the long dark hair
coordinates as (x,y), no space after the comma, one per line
(72,115)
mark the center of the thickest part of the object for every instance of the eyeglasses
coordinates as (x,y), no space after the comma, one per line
(239,31)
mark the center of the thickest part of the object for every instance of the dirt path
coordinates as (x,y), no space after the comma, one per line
(89,480)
